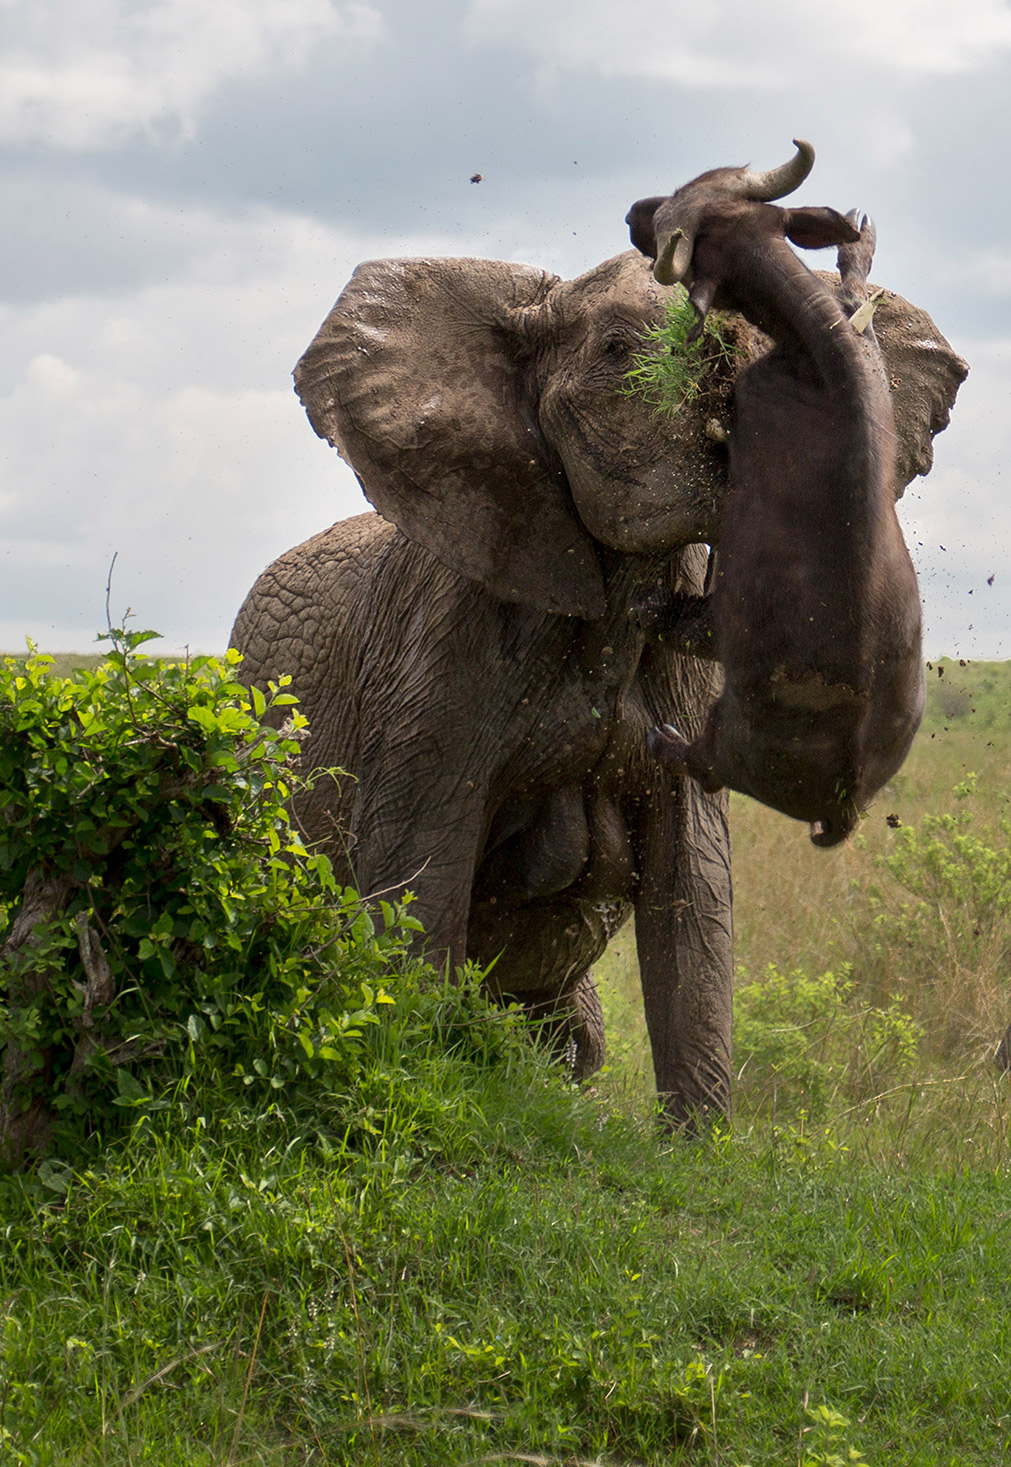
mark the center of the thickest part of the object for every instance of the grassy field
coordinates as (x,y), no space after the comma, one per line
(466,1259)
(797,907)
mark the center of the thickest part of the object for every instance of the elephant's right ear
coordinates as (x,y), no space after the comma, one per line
(418,376)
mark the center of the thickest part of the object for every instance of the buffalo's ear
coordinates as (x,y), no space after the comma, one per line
(419,378)
(817,228)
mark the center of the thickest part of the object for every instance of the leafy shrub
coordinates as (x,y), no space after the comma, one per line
(159,910)
(822,1442)
(937,921)
(975,694)
(802,1043)
(954,702)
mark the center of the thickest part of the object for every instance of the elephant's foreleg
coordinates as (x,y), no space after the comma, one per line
(439,877)
(569,1018)
(685,947)
(419,828)
(684,622)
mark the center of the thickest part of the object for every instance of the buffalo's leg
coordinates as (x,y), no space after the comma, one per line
(853,262)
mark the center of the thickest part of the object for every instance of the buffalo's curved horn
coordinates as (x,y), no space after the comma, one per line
(777,182)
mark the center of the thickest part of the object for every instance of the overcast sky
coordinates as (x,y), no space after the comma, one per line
(187,185)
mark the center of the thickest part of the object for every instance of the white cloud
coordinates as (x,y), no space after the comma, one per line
(161,424)
(195,488)
(737,43)
(986,270)
(89,73)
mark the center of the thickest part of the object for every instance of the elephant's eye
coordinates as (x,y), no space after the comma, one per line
(617,345)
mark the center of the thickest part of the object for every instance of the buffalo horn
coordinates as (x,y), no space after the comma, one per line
(777,182)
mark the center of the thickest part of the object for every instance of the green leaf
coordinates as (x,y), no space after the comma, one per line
(203,716)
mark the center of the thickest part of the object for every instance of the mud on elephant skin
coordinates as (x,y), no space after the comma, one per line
(470,657)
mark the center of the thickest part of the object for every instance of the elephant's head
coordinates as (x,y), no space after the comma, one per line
(481,405)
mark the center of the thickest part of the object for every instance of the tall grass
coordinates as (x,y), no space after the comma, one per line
(880,970)
(918,902)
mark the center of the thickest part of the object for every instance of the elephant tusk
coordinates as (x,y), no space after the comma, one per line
(863,315)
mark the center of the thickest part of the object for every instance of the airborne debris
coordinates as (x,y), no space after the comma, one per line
(477,178)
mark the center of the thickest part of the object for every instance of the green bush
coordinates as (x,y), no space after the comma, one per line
(806,1044)
(159,911)
(935,924)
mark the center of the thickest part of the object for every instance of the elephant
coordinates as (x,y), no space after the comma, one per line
(469,654)
(819,707)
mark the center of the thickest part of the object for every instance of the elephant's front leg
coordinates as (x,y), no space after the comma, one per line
(568,1016)
(684,939)
(683,621)
(419,822)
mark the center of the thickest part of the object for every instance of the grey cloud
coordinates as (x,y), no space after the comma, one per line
(77,237)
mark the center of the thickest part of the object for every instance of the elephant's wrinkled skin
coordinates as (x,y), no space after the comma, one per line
(471,659)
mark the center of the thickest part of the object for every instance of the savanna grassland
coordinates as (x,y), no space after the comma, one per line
(447,1254)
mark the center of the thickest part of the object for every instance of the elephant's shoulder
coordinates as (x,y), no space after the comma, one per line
(326,564)
(344,548)
(299,603)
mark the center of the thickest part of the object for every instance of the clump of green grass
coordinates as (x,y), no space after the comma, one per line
(672,371)
(810,1046)
(487,1264)
(932,923)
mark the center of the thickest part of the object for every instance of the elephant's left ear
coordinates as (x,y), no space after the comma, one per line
(924,373)
(420,377)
